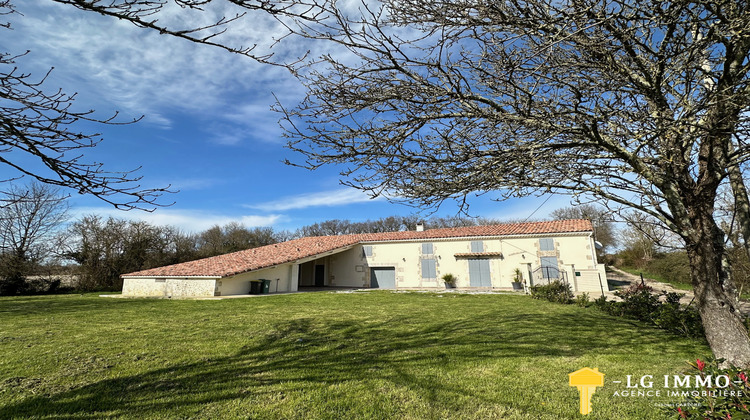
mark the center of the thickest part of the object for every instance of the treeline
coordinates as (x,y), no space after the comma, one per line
(40,253)
(103,249)
(388,224)
(664,259)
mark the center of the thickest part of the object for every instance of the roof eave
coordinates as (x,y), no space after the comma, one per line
(141,276)
(459,238)
(294,261)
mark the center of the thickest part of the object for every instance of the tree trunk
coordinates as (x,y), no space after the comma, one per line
(722,320)
(741,208)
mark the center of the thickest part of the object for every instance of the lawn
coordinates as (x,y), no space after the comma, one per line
(367,355)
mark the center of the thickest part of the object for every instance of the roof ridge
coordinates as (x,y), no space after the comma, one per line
(300,248)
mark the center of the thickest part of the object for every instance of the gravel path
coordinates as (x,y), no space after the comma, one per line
(625,279)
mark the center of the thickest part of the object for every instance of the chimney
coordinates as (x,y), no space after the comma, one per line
(420,227)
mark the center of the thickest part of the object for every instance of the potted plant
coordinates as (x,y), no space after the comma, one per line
(517,279)
(450,281)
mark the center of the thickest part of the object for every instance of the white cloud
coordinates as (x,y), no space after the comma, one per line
(187,220)
(115,65)
(317,199)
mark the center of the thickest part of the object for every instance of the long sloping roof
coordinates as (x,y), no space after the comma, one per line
(299,249)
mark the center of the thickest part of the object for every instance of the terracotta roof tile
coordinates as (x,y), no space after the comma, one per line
(298,249)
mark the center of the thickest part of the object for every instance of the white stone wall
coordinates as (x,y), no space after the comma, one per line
(143,287)
(168,287)
(589,280)
(281,280)
(574,253)
(352,268)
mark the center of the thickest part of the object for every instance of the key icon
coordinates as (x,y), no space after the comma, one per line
(586,380)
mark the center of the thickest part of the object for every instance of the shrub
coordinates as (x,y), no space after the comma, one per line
(39,285)
(601,302)
(673,317)
(555,291)
(717,403)
(582,300)
(673,267)
(640,303)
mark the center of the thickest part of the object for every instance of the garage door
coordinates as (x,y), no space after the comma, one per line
(383,278)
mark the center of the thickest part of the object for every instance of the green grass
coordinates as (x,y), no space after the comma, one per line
(374,355)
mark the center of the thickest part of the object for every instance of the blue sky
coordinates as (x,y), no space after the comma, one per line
(207,129)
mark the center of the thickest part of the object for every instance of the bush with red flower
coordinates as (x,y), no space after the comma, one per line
(731,402)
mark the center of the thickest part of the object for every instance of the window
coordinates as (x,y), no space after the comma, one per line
(367,251)
(427,248)
(547,244)
(429,268)
(477,246)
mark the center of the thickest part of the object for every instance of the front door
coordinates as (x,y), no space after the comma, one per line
(320,275)
(383,278)
(479,273)
(549,268)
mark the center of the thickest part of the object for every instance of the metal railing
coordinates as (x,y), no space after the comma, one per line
(548,274)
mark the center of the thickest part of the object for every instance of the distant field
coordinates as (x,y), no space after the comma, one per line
(369,355)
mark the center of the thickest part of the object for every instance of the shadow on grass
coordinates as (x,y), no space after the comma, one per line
(306,354)
(52,305)
(617,284)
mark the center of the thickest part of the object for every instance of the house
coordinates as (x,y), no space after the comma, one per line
(481,257)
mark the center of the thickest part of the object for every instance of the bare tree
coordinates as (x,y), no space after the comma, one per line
(605,232)
(29,217)
(233,237)
(330,227)
(106,248)
(41,124)
(642,105)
